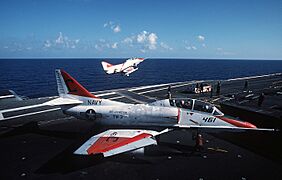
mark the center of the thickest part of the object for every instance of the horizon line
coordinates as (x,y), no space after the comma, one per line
(180,58)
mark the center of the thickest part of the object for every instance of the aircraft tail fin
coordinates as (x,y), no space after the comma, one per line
(68,85)
(106,65)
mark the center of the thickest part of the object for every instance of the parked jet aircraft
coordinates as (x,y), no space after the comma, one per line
(126,68)
(168,114)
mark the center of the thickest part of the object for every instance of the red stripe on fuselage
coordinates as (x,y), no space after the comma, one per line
(237,123)
(104,144)
(178,115)
(74,87)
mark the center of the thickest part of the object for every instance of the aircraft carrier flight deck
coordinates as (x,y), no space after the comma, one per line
(38,142)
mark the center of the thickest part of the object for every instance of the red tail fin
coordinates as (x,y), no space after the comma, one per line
(74,87)
(106,65)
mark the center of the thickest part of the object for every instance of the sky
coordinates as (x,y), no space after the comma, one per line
(231,29)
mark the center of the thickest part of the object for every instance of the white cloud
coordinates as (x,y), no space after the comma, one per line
(143,50)
(128,39)
(103,44)
(110,23)
(142,37)
(204,45)
(117,29)
(47,44)
(190,47)
(223,52)
(61,42)
(152,40)
(60,39)
(113,26)
(201,38)
(147,41)
(115,45)
(102,40)
(165,46)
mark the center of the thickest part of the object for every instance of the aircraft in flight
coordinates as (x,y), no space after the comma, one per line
(126,68)
(167,114)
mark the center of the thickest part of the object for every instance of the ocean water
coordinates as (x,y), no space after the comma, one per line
(36,77)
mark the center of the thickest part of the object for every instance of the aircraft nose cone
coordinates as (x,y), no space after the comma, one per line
(238,123)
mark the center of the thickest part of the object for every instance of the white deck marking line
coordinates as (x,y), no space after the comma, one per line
(7,96)
(119,97)
(133,89)
(217,99)
(50,97)
(21,108)
(166,84)
(151,86)
(138,88)
(105,94)
(33,113)
(254,77)
(159,89)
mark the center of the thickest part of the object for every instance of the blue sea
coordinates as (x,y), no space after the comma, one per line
(36,77)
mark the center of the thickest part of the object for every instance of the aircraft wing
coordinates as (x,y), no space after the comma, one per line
(113,70)
(138,98)
(112,142)
(129,70)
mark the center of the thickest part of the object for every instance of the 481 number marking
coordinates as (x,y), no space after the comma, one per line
(209,119)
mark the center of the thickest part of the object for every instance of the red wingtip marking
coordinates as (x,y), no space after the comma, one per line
(238,123)
(74,87)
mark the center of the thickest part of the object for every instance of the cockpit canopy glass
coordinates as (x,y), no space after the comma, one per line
(182,103)
(195,105)
(203,106)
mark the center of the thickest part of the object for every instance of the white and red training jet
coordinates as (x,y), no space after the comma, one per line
(126,68)
(168,114)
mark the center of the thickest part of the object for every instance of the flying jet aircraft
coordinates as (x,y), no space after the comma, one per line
(167,114)
(126,68)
